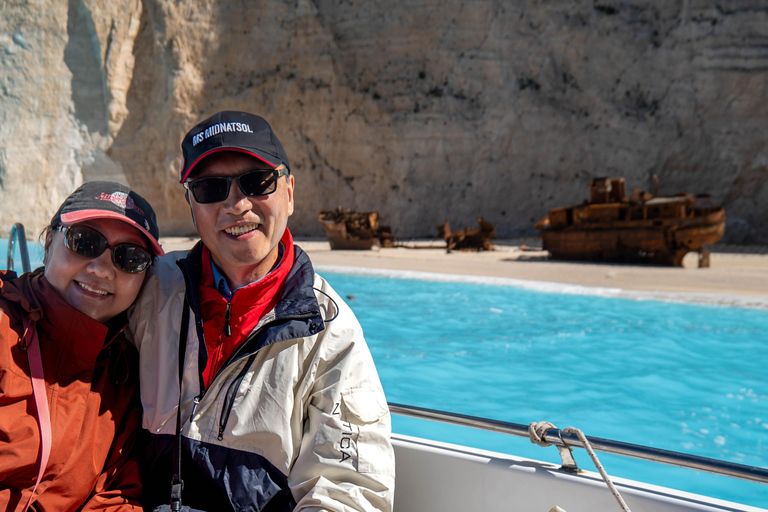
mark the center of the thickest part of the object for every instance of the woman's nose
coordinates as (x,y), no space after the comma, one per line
(102,265)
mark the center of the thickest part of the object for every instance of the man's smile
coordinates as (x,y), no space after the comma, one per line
(240,230)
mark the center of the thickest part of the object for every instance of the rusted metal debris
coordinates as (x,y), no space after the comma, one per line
(469,239)
(346,229)
(641,228)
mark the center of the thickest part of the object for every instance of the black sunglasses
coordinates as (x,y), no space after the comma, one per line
(89,243)
(252,183)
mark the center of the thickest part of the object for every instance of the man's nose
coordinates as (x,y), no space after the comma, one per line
(236,201)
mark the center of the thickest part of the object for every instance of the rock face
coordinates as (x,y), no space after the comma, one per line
(424,111)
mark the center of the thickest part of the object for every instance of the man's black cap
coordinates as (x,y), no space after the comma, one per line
(231,131)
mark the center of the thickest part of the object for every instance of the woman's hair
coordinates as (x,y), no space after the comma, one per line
(44,233)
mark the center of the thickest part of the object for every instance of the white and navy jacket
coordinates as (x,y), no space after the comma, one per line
(295,420)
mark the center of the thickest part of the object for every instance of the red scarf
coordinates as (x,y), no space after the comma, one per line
(249,304)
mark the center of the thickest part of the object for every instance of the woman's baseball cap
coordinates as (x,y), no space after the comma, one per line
(109,200)
(231,131)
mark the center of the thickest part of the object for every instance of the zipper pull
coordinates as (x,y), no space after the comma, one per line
(227,317)
(194,406)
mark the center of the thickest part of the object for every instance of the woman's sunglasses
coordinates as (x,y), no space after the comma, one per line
(89,243)
(251,183)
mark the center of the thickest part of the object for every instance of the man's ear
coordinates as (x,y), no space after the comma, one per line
(290,183)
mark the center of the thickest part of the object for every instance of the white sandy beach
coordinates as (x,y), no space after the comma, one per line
(737,275)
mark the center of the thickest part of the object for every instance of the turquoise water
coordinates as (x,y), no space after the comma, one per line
(681,377)
(34,249)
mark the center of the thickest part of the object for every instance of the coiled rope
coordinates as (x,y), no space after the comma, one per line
(537,432)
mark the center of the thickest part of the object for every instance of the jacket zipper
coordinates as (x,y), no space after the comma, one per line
(227,318)
(229,399)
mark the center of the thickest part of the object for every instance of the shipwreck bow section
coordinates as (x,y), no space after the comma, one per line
(612,227)
(346,229)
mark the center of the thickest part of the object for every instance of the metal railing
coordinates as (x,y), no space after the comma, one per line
(17,232)
(560,438)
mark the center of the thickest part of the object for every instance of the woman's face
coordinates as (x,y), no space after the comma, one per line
(94,286)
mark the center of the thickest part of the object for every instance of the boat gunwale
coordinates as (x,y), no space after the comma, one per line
(561,438)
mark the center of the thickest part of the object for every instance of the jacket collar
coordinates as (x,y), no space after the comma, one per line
(298,311)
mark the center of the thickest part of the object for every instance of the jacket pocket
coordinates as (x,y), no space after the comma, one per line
(363,406)
(367,409)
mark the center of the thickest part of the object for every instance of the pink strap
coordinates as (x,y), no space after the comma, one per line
(41,399)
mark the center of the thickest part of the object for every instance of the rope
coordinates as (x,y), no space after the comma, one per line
(538,431)
(599,466)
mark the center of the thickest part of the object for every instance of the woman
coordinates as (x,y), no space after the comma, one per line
(69,411)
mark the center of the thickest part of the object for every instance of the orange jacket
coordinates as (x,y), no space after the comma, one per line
(92,395)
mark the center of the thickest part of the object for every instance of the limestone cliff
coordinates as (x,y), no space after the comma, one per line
(424,110)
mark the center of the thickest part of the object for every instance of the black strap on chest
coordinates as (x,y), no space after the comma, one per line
(177,484)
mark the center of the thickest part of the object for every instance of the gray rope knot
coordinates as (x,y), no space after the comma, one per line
(538,430)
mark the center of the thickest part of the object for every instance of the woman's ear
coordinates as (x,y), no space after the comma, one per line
(47,245)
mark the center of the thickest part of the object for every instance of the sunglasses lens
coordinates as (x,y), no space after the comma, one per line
(130,258)
(258,183)
(210,190)
(89,243)
(85,241)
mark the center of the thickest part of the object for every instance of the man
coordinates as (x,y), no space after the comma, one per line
(280,405)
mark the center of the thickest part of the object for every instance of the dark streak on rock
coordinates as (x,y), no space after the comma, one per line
(326,165)
(608,10)
(528,83)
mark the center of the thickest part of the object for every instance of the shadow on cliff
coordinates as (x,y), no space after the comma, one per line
(82,56)
(149,137)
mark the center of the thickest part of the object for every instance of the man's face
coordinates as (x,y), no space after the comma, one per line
(242,232)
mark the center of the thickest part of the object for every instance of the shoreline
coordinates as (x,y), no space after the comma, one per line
(734,278)
(698,298)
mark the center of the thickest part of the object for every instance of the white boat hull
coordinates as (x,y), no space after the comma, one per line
(434,476)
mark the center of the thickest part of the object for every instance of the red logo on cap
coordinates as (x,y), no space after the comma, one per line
(121,199)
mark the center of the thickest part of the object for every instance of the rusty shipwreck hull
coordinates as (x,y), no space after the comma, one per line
(658,245)
(346,229)
(641,229)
